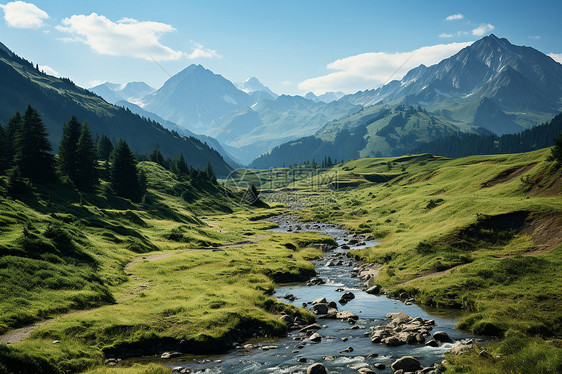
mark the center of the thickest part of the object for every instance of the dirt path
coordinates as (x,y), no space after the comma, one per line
(16,336)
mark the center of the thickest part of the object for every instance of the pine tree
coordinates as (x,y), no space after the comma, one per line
(32,149)
(252,195)
(68,149)
(210,173)
(87,173)
(143,183)
(4,161)
(14,125)
(104,148)
(557,149)
(124,175)
(179,166)
(156,156)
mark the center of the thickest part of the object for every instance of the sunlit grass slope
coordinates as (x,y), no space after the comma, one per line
(483,233)
(206,279)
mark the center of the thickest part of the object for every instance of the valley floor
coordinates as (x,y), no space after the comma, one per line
(117,279)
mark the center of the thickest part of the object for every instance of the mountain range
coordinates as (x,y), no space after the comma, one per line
(256,89)
(132,92)
(326,97)
(491,86)
(247,118)
(57,99)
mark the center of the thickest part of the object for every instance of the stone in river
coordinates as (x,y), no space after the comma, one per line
(432,343)
(312,327)
(375,290)
(322,300)
(168,355)
(406,363)
(442,336)
(316,369)
(316,337)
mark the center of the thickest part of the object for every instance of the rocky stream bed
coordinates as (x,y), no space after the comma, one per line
(358,328)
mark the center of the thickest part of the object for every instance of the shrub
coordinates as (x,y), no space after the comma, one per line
(14,361)
(487,328)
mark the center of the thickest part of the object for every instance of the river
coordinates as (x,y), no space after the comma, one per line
(370,309)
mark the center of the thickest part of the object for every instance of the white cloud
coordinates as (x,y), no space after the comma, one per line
(556,57)
(49,70)
(200,51)
(454,17)
(535,37)
(371,70)
(445,35)
(126,37)
(23,15)
(483,29)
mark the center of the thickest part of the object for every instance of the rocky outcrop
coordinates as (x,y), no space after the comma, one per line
(403,329)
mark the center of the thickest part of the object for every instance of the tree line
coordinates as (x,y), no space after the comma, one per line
(462,144)
(26,154)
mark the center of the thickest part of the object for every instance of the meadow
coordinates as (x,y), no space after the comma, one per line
(481,233)
(112,277)
(188,269)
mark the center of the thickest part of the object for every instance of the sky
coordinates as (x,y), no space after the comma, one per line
(291,46)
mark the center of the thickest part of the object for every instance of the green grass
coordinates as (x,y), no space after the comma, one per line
(454,234)
(462,233)
(516,353)
(199,296)
(63,256)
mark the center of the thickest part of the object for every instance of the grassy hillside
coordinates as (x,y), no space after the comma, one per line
(104,276)
(189,270)
(378,130)
(58,99)
(482,233)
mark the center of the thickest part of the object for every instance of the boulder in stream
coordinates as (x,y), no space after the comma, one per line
(316,337)
(375,290)
(442,336)
(316,369)
(406,363)
(315,282)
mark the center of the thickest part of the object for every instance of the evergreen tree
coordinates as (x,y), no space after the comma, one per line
(156,156)
(68,149)
(179,166)
(4,160)
(104,147)
(210,173)
(143,183)
(87,173)
(557,149)
(14,125)
(32,149)
(124,175)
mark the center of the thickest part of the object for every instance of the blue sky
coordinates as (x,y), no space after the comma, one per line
(291,46)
